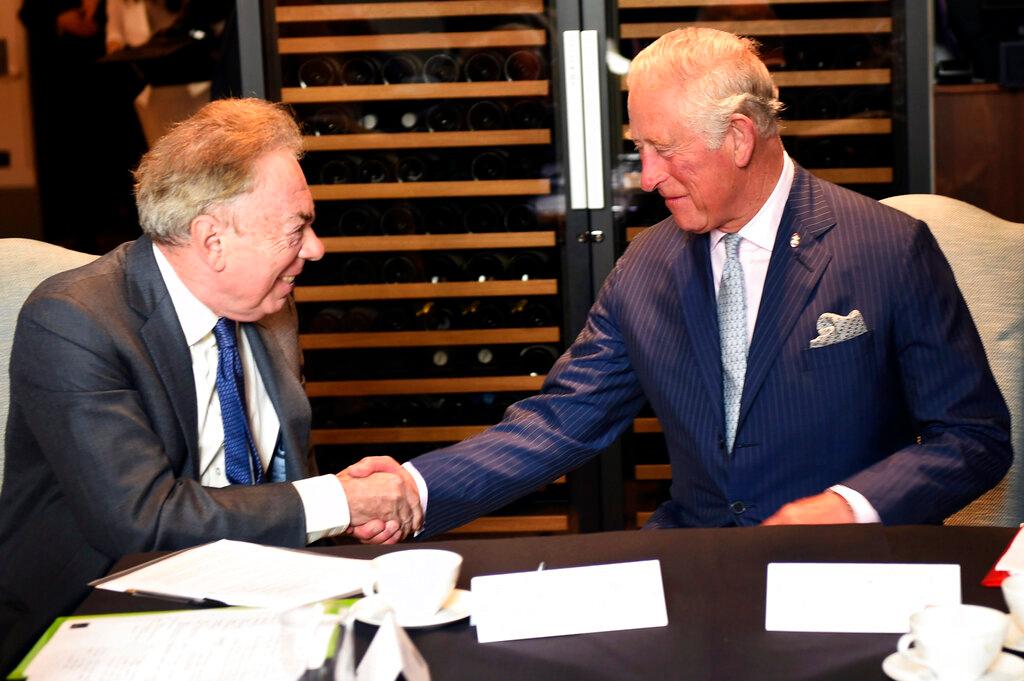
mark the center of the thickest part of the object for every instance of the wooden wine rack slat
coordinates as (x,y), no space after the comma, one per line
(824,78)
(641,4)
(762,27)
(838,126)
(420,386)
(515,523)
(632,232)
(426,140)
(854,175)
(449,289)
(422,190)
(646,425)
(365,436)
(657,471)
(437,242)
(376,93)
(412,339)
(406,10)
(412,41)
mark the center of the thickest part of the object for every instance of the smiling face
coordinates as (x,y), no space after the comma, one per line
(266,236)
(702,188)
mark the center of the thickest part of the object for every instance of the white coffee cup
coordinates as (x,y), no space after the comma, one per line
(1013,592)
(414,583)
(957,642)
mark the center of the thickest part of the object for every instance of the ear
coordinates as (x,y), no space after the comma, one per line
(743,134)
(208,239)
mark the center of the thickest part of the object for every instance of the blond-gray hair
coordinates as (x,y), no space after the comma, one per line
(722,74)
(207,160)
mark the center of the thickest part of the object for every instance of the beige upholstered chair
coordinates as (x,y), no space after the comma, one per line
(24,263)
(987,256)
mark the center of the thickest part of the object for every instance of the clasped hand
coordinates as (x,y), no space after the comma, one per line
(383,500)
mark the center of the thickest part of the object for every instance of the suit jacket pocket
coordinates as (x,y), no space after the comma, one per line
(845,352)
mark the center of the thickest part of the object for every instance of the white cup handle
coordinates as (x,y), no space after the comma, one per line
(903,646)
(370,584)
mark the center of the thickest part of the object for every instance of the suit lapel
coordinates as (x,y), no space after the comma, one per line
(692,271)
(793,274)
(164,340)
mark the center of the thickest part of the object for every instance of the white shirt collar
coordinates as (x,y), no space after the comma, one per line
(195,318)
(764,226)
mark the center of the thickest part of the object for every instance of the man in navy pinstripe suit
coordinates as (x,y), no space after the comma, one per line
(866,394)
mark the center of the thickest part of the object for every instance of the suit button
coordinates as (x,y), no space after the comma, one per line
(738,507)
(721,443)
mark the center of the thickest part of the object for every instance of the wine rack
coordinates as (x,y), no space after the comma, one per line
(837,66)
(429,154)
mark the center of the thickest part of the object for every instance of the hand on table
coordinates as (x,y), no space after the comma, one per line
(827,508)
(387,506)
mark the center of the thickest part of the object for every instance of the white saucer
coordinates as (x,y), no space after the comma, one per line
(371,610)
(1007,667)
(1014,638)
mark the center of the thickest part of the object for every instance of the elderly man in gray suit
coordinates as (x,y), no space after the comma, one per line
(156,402)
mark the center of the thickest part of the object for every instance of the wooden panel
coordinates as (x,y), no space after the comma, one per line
(419,386)
(642,517)
(410,339)
(516,523)
(406,10)
(639,4)
(661,471)
(422,190)
(646,425)
(978,147)
(437,242)
(453,289)
(767,27)
(375,93)
(411,41)
(423,140)
(363,436)
(632,232)
(854,175)
(837,126)
(833,77)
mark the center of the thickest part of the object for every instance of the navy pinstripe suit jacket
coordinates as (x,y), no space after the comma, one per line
(848,413)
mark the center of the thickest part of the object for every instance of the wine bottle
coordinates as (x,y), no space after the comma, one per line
(485,359)
(357,270)
(433,316)
(484,217)
(359,318)
(525,65)
(520,217)
(401,218)
(481,315)
(536,360)
(402,68)
(444,117)
(394,318)
(485,267)
(529,313)
(489,165)
(376,169)
(440,267)
(526,265)
(319,72)
(400,269)
(340,170)
(441,218)
(330,120)
(328,320)
(484,66)
(359,220)
(362,70)
(413,168)
(441,68)
(528,114)
(486,115)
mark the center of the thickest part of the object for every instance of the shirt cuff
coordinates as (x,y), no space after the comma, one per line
(863,511)
(325,505)
(421,488)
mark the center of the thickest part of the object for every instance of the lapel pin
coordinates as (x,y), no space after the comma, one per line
(794,240)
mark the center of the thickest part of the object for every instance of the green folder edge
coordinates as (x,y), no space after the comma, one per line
(331,607)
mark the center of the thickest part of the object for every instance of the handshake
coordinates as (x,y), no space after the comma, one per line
(383,500)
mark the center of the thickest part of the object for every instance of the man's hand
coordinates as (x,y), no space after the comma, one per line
(391,517)
(77,22)
(827,508)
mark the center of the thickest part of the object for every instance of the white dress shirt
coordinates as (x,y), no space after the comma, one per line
(323,497)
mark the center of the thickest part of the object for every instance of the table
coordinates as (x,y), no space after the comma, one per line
(715,592)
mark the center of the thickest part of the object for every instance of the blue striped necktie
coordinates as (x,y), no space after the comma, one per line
(732,331)
(241,461)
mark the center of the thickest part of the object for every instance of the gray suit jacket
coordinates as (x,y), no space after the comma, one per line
(102,454)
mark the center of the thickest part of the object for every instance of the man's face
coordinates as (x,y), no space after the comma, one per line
(267,240)
(699,185)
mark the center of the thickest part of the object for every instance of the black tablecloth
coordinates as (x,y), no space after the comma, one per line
(715,592)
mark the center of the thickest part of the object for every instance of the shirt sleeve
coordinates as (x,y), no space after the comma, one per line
(326,506)
(863,511)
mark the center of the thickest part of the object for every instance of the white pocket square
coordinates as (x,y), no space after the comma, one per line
(836,328)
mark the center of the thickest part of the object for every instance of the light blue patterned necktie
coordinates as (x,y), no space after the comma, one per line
(241,461)
(732,331)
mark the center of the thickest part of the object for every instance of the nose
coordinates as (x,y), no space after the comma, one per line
(312,248)
(652,170)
